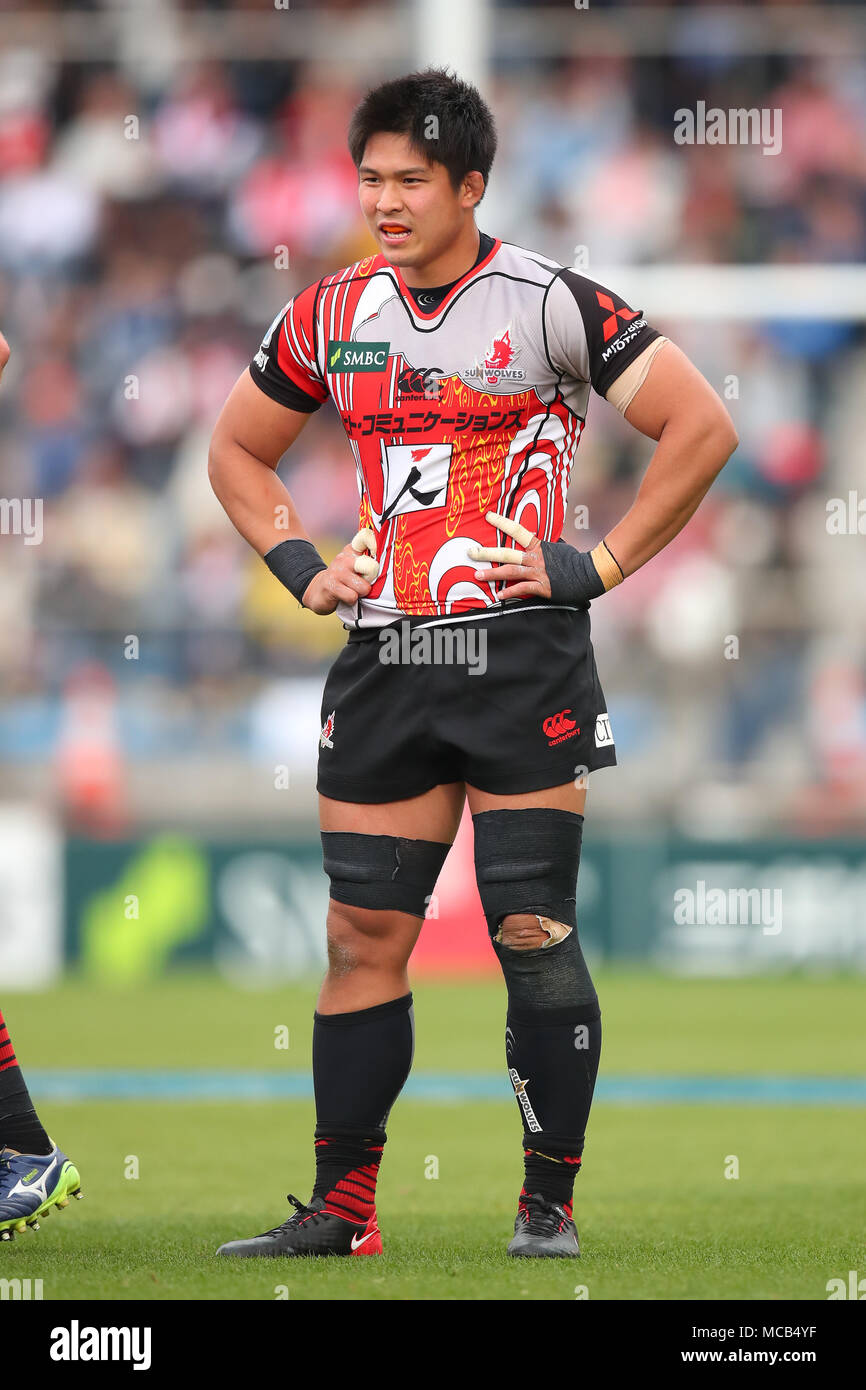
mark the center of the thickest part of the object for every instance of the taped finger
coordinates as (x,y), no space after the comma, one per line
(515,529)
(367,567)
(365,539)
(498,554)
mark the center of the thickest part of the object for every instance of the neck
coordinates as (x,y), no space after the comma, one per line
(453,263)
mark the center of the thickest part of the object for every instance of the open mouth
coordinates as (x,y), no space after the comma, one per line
(394,232)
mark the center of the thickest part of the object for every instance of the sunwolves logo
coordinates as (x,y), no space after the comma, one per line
(496,366)
(523,1100)
(325,740)
(357,357)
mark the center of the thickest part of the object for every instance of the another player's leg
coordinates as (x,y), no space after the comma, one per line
(527,851)
(383,865)
(35,1175)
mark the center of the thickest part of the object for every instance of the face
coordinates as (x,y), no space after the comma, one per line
(409,204)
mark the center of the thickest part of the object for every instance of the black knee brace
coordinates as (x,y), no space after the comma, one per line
(382,871)
(550,984)
(526,862)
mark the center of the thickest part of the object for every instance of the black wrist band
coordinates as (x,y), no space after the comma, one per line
(295,563)
(573,577)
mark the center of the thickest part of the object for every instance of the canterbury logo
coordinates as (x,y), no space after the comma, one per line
(610,325)
(559,727)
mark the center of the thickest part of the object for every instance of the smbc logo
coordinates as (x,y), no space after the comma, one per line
(357,357)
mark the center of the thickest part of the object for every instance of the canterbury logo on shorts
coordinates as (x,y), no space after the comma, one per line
(559,727)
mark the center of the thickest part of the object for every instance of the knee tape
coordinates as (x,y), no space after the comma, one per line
(526,862)
(382,871)
(548,986)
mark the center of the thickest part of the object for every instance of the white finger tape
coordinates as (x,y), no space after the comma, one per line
(368,567)
(496,554)
(520,533)
(364,539)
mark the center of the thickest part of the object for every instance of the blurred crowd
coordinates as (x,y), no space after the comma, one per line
(151,226)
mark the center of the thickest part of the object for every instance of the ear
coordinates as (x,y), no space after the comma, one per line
(473,189)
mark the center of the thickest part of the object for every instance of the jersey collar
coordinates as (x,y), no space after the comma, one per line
(464,280)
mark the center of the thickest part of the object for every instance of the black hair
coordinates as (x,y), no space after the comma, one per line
(462,136)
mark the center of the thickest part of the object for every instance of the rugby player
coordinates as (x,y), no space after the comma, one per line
(461,367)
(34,1173)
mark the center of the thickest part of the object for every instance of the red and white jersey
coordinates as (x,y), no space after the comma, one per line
(476,406)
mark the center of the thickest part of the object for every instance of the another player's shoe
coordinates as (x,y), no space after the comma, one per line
(313,1230)
(543,1229)
(30,1185)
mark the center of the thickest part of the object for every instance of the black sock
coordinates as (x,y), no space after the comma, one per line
(347,1166)
(550,1171)
(360,1064)
(553,1068)
(19,1124)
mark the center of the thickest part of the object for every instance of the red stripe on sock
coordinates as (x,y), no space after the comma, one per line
(348,1200)
(7,1051)
(356,1192)
(348,1192)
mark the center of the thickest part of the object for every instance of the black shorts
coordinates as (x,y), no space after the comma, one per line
(510,704)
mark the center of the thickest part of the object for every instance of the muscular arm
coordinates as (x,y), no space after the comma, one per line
(249,439)
(696,436)
(674,405)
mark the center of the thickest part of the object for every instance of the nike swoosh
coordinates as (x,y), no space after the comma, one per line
(356,1242)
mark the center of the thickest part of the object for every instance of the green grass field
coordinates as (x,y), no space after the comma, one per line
(658,1218)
